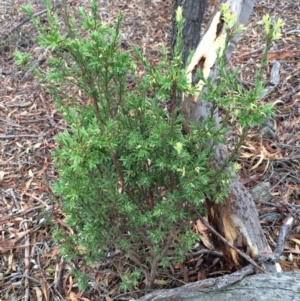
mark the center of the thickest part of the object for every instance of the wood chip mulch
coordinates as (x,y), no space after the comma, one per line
(30,265)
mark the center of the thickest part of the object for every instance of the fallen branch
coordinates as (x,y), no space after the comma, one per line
(25,20)
(274,79)
(284,230)
(268,286)
(211,283)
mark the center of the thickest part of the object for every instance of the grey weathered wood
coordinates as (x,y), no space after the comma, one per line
(262,287)
(235,287)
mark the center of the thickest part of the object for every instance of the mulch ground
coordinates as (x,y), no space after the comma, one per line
(30,266)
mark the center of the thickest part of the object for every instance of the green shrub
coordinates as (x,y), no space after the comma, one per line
(129,179)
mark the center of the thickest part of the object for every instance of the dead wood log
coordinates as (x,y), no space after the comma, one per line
(269,286)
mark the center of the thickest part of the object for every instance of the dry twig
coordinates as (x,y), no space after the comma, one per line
(25,20)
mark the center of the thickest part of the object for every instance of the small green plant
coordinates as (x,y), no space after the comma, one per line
(21,59)
(130,279)
(130,180)
(81,277)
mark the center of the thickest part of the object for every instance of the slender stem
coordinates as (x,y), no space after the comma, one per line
(173,105)
(115,160)
(230,158)
(134,257)
(157,259)
(100,121)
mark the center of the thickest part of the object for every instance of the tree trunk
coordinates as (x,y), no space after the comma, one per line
(193,13)
(236,218)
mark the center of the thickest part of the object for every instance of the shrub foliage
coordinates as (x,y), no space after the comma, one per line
(129,179)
